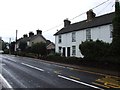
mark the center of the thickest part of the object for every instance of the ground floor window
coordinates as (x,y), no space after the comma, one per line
(59,51)
(73,50)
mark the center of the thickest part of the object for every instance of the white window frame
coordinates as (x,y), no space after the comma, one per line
(73,37)
(88,34)
(73,50)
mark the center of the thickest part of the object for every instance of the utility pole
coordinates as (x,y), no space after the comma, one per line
(16,41)
(9,45)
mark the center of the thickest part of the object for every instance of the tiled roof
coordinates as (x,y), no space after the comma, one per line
(35,36)
(32,38)
(97,21)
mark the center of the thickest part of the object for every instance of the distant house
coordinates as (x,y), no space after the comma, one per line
(32,39)
(68,39)
(51,48)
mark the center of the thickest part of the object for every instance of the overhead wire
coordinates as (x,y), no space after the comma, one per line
(54,27)
(88,23)
(77,16)
(104,8)
(91,8)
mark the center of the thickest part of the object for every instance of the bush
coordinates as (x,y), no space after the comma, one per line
(39,49)
(6,51)
(57,54)
(67,60)
(94,49)
(22,45)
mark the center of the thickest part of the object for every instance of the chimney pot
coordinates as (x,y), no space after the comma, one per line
(66,22)
(25,35)
(39,31)
(90,15)
(31,34)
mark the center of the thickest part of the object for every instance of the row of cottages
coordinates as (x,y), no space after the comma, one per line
(68,39)
(32,39)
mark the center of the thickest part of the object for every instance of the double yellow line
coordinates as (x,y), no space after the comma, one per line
(108,82)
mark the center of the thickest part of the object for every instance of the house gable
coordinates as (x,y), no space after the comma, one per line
(51,46)
(37,39)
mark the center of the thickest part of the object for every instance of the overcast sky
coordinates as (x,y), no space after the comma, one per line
(30,15)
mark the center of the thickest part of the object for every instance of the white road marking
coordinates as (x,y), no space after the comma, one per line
(5,83)
(32,67)
(13,60)
(10,60)
(79,82)
(14,78)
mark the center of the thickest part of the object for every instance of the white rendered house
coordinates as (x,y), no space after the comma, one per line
(68,39)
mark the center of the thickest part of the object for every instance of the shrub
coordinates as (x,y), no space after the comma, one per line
(115,46)
(6,51)
(94,49)
(23,45)
(67,60)
(39,49)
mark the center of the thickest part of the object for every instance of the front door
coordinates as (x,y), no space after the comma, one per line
(64,51)
(68,51)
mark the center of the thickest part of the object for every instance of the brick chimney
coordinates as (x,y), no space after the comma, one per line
(25,35)
(31,34)
(39,31)
(66,22)
(90,15)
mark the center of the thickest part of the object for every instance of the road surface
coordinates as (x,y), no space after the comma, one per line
(23,72)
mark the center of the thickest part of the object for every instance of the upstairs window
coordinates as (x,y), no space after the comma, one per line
(73,37)
(59,39)
(88,34)
(111,31)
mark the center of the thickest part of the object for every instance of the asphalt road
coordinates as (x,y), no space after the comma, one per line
(23,72)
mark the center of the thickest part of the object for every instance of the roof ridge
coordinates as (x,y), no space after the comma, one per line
(97,21)
(105,14)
